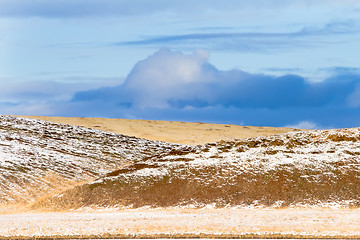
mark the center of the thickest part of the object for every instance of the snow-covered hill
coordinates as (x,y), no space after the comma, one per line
(59,166)
(38,157)
(302,168)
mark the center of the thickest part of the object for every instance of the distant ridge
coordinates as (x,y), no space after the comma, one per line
(190,133)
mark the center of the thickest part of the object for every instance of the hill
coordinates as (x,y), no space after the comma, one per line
(59,166)
(38,158)
(292,169)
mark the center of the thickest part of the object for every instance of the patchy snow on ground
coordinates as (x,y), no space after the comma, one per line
(317,222)
(298,184)
(300,168)
(36,157)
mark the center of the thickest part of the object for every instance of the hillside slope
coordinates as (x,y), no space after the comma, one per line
(302,168)
(38,157)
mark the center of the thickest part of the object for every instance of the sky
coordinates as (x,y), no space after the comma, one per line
(279,63)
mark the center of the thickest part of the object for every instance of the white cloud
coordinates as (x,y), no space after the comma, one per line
(168,75)
(304,125)
(171,85)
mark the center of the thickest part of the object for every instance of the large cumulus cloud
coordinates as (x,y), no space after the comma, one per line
(160,81)
(172,85)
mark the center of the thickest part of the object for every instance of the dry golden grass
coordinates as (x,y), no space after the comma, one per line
(56,183)
(169,131)
(200,186)
(184,236)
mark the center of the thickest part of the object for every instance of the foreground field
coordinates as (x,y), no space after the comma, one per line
(165,223)
(169,131)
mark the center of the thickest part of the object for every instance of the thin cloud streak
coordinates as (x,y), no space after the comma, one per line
(252,41)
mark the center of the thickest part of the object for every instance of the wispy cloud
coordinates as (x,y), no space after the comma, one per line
(304,125)
(251,41)
(342,70)
(279,69)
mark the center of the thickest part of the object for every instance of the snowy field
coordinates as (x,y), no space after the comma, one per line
(292,222)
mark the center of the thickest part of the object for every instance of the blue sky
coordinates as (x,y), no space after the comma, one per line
(260,62)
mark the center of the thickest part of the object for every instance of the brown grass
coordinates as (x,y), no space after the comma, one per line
(222,186)
(184,236)
(56,183)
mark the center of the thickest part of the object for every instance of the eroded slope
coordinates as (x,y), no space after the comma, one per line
(39,157)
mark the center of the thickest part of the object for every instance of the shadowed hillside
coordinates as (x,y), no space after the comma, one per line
(312,167)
